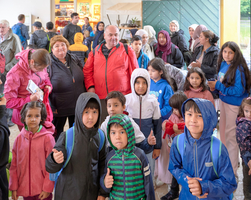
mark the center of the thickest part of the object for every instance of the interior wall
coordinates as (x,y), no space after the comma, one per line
(38,8)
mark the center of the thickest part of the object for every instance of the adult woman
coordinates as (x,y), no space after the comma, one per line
(166,50)
(68,83)
(147,49)
(206,55)
(31,66)
(133,31)
(196,36)
(177,36)
(191,41)
(151,34)
(99,35)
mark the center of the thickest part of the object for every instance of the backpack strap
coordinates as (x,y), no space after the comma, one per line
(215,152)
(126,48)
(69,143)
(181,144)
(101,139)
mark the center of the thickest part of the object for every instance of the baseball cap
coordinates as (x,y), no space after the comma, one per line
(37,24)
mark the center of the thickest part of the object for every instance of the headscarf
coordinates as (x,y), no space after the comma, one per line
(197,33)
(151,32)
(176,23)
(98,34)
(166,49)
(133,31)
(141,32)
(191,40)
(193,26)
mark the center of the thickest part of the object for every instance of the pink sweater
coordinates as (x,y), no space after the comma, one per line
(192,93)
(27,172)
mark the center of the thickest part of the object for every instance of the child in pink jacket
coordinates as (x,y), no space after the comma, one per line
(28,176)
(31,66)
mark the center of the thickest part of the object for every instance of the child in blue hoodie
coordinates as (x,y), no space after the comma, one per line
(144,109)
(233,85)
(192,162)
(160,86)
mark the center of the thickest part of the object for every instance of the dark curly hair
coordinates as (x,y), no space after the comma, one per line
(32,105)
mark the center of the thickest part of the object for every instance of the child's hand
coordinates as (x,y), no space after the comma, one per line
(14,195)
(156,153)
(58,156)
(2,101)
(249,165)
(48,87)
(44,195)
(108,179)
(35,97)
(212,84)
(195,187)
(100,198)
(164,125)
(175,128)
(151,139)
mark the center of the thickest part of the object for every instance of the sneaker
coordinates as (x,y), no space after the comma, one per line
(170,196)
(159,183)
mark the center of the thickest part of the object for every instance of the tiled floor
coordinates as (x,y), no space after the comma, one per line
(160,191)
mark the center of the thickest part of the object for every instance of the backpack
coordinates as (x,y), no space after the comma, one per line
(48,46)
(69,145)
(17,30)
(2,62)
(215,149)
(40,42)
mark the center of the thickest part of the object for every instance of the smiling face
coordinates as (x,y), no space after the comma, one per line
(162,39)
(228,55)
(3,29)
(194,123)
(101,27)
(33,119)
(194,80)
(140,86)
(59,49)
(90,117)
(111,36)
(173,27)
(114,107)
(118,136)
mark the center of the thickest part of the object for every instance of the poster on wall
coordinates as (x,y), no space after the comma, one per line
(83,8)
(96,9)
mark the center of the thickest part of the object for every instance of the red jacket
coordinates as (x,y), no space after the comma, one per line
(110,74)
(27,172)
(16,83)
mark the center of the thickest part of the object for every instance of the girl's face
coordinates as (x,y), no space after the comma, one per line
(101,27)
(191,31)
(203,39)
(140,86)
(162,39)
(247,111)
(194,80)
(155,75)
(173,27)
(144,39)
(176,112)
(228,55)
(33,119)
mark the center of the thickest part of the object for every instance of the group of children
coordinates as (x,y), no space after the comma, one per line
(139,131)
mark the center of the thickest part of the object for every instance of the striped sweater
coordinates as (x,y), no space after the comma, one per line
(129,167)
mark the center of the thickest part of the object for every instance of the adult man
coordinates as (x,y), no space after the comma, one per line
(86,26)
(21,30)
(112,69)
(39,37)
(72,28)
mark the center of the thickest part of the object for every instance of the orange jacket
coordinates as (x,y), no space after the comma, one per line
(113,73)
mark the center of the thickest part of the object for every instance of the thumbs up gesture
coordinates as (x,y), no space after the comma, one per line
(108,179)
(151,139)
(58,156)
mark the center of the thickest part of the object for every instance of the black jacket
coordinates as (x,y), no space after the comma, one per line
(67,83)
(209,61)
(69,32)
(4,153)
(79,180)
(51,34)
(179,40)
(100,39)
(175,58)
(39,39)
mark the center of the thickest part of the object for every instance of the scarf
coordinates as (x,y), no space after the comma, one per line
(166,48)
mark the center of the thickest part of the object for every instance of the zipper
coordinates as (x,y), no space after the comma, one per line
(40,80)
(195,160)
(140,109)
(30,137)
(123,161)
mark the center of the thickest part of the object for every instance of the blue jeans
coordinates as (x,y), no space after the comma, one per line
(151,163)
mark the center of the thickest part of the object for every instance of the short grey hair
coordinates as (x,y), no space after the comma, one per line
(5,22)
(110,25)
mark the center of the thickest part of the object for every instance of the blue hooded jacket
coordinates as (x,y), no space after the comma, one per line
(197,160)
(143,57)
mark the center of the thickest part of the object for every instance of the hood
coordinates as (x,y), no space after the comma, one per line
(41,33)
(209,116)
(82,101)
(140,72)
(23,58)
(125,122)
(41,131)
(179,32)
(78,38)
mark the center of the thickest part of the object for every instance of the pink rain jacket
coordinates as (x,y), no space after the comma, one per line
(16,83)
(27,172)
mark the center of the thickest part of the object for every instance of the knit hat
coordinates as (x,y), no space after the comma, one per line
(176,23)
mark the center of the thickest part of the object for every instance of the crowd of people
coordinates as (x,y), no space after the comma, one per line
(140,113)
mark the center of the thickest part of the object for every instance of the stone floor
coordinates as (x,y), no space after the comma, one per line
(160,191)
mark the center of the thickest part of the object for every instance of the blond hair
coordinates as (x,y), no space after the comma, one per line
(59,38)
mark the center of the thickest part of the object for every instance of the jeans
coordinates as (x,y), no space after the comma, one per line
(246,182)
(151,163)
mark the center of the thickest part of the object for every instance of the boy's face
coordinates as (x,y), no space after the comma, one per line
(114,107)
(118,136)
(194,123)
(136,46)
(90,117)
(140,86)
